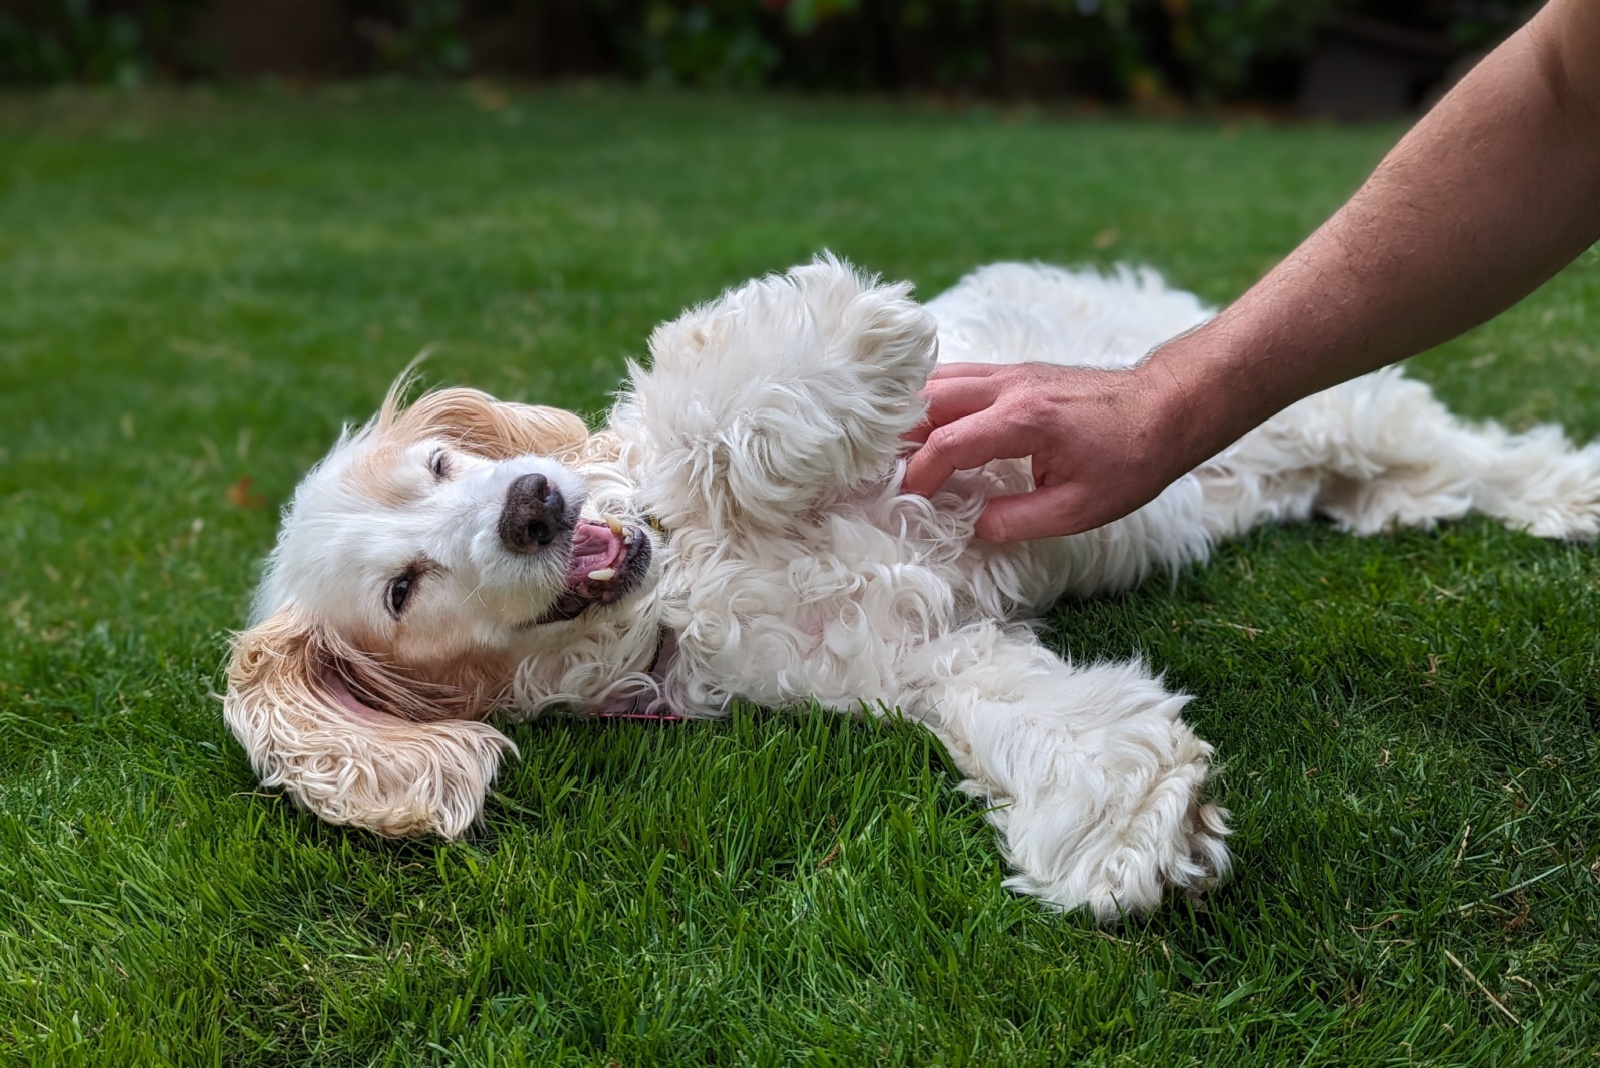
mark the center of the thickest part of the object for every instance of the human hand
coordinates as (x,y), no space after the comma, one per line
(1103,443)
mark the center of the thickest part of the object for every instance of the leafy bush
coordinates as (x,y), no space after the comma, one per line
(712,42)
(1140,49)
(103,41)
(420,37)
(1108,47)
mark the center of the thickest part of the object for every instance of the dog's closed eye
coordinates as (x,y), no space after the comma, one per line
(439,464)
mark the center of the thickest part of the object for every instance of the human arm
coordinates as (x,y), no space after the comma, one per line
(1490,194)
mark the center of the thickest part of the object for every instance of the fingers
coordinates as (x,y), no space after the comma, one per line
(981,412)
(961,445)
(951,399)
(1048,512)
(946,371)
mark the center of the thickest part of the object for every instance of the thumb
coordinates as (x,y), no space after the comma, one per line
(1047,512)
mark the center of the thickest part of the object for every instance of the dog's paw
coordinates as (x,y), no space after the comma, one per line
(1120,865)
(1155,851)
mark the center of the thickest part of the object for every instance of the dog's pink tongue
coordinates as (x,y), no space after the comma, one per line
(594,548)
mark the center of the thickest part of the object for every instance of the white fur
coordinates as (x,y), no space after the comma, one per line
(765,436)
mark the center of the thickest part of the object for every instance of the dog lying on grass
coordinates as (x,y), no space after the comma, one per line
(738,532)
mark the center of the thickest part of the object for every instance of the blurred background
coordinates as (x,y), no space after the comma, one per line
(1341,59)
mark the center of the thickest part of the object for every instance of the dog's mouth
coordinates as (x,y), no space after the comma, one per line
(609,559)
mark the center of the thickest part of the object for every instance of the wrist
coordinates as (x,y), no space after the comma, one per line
(1204,396)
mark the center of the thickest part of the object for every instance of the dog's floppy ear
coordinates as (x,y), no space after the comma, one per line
(295,702)
(491,428)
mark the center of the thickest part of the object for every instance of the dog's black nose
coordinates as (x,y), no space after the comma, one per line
(534,514)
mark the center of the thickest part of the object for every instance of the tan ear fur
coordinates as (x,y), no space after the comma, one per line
(297,702)
(603,446)
(480,424)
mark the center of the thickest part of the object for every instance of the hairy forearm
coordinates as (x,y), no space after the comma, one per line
(1488,196)
(1493,192)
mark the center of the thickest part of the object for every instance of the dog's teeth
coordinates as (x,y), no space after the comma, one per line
(616,527)
(605,574)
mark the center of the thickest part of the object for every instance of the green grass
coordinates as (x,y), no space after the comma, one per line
(201,288)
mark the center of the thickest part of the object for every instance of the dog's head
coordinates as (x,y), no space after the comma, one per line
(439,558)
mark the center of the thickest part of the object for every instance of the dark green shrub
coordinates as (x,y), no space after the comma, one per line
(123,42)
(709,43)
(1117,49)
(417,37)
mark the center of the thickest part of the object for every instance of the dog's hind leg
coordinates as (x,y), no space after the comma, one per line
(776,399)
(1093,779)
(1381,451)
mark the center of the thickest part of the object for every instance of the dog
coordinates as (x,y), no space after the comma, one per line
(738,532)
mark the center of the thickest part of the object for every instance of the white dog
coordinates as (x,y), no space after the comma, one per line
(739,533)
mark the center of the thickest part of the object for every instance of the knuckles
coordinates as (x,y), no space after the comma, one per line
(940,443)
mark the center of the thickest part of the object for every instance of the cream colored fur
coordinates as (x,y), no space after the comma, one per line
(765,436)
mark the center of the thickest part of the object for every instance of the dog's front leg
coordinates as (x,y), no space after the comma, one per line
(784,395)
(1093,779)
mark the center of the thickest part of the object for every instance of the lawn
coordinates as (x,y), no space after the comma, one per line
(199,289)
